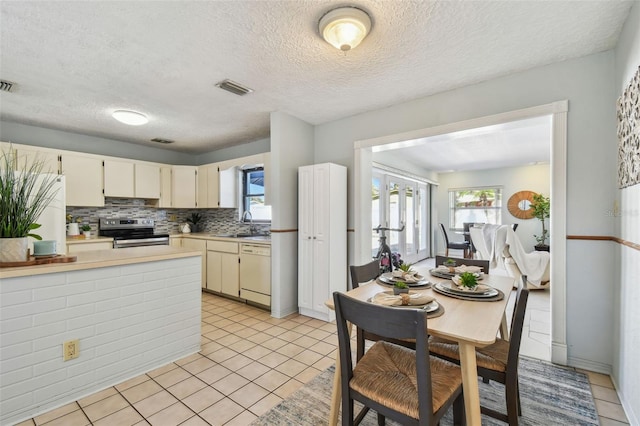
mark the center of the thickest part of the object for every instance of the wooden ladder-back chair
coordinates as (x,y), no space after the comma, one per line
(362,274)
(465,246)
(497,362)
(406,385)
(484,264)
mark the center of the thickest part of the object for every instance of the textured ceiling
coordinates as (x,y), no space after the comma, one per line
(76,62)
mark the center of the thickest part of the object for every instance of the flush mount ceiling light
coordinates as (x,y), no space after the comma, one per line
(345,27)
(131,118)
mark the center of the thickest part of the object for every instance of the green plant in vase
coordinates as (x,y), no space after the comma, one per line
(541,207)
(24,194)
(400,287)
(195,220)
(86,230)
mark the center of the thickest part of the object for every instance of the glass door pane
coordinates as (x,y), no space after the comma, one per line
(376,209)
(409,232)
(395,210)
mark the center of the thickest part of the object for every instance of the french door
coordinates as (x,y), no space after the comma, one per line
(396,202)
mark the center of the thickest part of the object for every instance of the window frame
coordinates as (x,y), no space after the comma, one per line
(494,205)
(246,195)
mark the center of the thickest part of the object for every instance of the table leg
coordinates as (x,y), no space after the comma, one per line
(336,393)
(470,383)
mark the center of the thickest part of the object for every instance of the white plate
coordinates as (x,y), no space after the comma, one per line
(388,278)
(450,288)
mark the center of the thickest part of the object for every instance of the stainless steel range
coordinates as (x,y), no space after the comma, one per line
(132,232)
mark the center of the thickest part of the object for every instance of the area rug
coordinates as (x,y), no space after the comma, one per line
(550,395)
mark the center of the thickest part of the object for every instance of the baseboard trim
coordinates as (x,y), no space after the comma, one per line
(559,353)
(586,364)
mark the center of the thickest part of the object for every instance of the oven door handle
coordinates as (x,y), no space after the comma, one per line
(162,241)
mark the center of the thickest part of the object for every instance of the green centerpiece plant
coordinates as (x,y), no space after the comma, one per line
(400,287)
(25,192)
(468,280)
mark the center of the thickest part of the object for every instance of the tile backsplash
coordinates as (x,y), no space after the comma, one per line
(214,220)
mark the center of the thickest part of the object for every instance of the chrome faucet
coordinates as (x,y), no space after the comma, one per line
(248,214)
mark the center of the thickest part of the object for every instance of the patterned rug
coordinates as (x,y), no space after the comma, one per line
(550,395)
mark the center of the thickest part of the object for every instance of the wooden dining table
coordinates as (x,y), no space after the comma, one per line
(471,323)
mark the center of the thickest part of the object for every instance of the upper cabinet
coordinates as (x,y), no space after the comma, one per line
(128,179)
(228,185)
(83,177)
(184,186)
(208,186)
(147,180)
(165,187)
(49,158)
(118,179)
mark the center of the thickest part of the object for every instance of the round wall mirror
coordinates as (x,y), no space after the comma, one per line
(519,204)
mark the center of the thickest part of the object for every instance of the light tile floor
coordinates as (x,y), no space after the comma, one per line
(248,363)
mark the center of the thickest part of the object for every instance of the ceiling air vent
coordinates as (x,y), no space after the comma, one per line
(164,141)
(6,86)
(233,87)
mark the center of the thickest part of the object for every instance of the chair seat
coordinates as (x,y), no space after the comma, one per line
(387,375)
(459,246)
(492,357)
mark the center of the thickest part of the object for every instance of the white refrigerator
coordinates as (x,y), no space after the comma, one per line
(53,218)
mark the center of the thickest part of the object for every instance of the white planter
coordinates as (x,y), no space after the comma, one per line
(13,249)
(87,234)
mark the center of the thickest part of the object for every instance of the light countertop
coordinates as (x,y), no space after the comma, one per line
(101,259)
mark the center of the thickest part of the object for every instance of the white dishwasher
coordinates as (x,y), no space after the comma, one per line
(255,273)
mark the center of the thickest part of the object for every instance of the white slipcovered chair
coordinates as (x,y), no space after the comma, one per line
(502,247)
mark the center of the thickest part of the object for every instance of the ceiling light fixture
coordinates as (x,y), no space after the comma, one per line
(131,118)
(345,27)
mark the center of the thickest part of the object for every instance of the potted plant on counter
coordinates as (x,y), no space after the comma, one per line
(541,207)
(86,230)
(24,194)
(195,222)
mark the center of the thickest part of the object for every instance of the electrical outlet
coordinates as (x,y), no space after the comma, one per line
(70,349)
(173,218)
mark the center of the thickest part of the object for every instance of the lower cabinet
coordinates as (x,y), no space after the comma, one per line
(223,267)
(196,244)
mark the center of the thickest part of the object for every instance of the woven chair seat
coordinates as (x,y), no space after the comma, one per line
(387,375)
(492,357)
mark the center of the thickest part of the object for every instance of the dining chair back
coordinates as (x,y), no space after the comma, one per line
(463,245)
(364,273)
(498,361)
(387,377)
(484,264)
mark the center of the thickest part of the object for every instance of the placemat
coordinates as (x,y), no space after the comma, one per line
(495,298)
(411,287)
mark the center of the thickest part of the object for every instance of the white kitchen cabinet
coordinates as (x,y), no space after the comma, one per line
(223,267)
(201,245)
(147,181)
(228,185)
(83,177)
(49,158)
(165,187)
(208,186)
(322,237)
(184,187)
(119,179)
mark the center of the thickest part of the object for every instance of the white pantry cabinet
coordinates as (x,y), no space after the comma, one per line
(83,177)
(184,186)
(322,237)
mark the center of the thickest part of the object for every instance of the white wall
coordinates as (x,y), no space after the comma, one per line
(291,147)
(587,83)
(626,372)
(237,151)
(513,179)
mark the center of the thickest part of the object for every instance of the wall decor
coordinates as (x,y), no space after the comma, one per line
(519,204)
(628,112)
